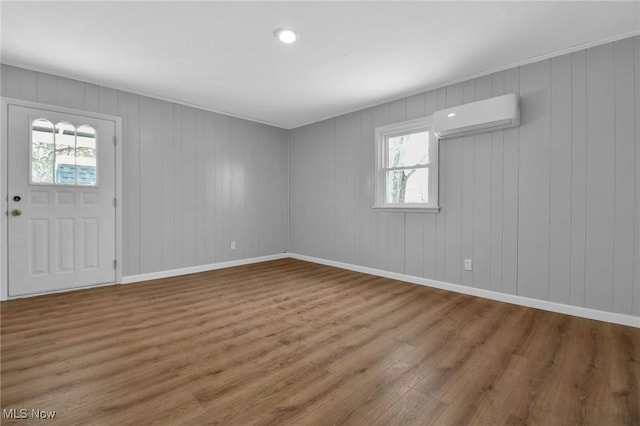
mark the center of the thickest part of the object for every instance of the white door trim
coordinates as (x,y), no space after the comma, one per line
(4,190)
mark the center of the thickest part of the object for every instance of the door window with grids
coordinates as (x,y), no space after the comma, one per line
(63,154)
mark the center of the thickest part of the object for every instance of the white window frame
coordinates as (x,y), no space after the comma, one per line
(382,134)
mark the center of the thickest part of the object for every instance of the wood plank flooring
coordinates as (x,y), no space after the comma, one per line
(294,343)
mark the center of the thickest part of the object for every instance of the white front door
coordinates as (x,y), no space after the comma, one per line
(61,183)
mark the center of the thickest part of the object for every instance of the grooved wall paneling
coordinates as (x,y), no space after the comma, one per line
(625,169)
(578,176)
(560,175)
(600,209)
(548,210)
(533,190)
(193,180)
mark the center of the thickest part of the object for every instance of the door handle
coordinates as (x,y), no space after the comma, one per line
(16,212)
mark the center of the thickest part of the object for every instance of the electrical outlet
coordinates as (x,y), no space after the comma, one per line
(233,245)
(468,265)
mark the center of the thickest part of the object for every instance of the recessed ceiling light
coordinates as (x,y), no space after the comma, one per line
(286,36)
(453,114)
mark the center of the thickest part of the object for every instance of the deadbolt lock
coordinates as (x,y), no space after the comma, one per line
(16,212)
(16,198)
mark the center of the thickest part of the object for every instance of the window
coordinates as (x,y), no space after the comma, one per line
(62,154)
(407,166)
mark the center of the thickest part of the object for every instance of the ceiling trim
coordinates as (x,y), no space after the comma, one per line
(531,60)
(553,54)
(147,95)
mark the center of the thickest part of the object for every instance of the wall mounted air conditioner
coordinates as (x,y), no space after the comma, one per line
(482,116)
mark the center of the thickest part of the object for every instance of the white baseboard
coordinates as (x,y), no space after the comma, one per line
(200,268)
(164,274)
(616,318)
(62,290)
(630,320)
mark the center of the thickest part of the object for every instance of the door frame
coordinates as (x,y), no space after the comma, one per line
(4,186)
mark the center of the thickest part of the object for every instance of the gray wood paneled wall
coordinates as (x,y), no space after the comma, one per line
(193,180)
(549,210)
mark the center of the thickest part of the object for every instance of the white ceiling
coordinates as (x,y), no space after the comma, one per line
(222,56)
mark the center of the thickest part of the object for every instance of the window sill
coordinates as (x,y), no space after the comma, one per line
(406,209)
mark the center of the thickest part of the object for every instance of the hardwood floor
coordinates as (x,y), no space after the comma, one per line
(291,342)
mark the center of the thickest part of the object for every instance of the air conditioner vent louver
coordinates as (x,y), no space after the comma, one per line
(483,116)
